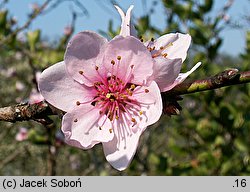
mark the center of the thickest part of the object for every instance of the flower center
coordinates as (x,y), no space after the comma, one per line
(114,96)
(112,99)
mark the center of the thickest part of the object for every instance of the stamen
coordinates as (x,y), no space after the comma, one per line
(159,52)
(141,39)
(140,112)
(78,103)
(119,58)
(100,128)
(164,55)
(146,90)
(96,68)
(112,62)
(108,95)
(75,120)
(80,72)
(111,130)
(152,39)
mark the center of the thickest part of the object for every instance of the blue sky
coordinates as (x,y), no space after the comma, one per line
(53,23)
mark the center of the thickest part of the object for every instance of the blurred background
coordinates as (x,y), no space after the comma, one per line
(211,136)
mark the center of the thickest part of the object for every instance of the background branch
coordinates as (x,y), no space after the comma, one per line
(36,13)
(40,111)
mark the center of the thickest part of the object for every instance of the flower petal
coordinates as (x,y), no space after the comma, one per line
(121,156)
(120,151)
(60,90)
(134,57)
(181,77)
(81,129)
(166,71)
(151,103)
(81,54)
(175,45)
(127,28)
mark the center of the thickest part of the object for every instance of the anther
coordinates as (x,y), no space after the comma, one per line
(100,128)
(119,58)
(108,95)
(111,85)
(117,117)
(78,103)
(113,62)
(164,55)
(75,120)
(152,39)
(140,112)
(161,48)
(131,66)
(80,72)
(132,86)
(110,130)
(96,68)
(146,90)
(133,120)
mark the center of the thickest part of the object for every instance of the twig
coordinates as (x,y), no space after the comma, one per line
(23,112)
(76,2)
(229,77)
(40,111)
(3,3)
(26,25)
(10,158)
(223,79)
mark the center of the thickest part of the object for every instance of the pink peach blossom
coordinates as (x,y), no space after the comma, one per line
(35,96)
(168,51)
(104,87)
(22,134)
(109,90)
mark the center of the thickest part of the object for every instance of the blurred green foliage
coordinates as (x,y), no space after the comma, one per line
(211,136)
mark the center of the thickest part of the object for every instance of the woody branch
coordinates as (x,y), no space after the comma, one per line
(40,111)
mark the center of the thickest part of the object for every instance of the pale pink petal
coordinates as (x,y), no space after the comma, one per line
(35,97)
(166,71)
(120,151)
(135,59)
(127,27)
(81,54)
(175,45)
(60,90)
(181,77)
(121,157)
(81,128)
(151,104)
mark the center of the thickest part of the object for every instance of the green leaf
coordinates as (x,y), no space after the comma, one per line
(3,19)
(33,38)
(240,145)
